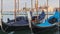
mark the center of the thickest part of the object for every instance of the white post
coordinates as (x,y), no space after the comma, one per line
(1,11)
(15,10)
(29,18)
(2,16)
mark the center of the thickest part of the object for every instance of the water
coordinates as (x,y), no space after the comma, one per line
(11,16)
(29,32)
(17,32)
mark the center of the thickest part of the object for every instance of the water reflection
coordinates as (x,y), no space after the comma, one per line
(29,32)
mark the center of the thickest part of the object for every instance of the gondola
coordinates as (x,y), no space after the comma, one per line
(20,24)
(57,16)
(47,24)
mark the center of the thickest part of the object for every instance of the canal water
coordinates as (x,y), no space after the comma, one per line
(29,32)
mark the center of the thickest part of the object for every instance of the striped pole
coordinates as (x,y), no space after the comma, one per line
(1,8)
(2,15)
(47,9)
(31,4)
(18,6)
(36,6)
(15,10)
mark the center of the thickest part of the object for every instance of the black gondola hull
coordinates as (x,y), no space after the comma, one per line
(36,29)
(8,28)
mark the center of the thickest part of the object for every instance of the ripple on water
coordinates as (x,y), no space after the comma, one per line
(29,32)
